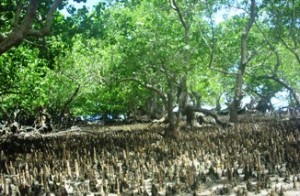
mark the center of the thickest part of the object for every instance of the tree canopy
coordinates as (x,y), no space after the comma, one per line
(146,57)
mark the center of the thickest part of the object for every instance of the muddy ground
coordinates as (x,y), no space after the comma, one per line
(261,158)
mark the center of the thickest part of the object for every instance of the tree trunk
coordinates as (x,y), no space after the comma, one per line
(243,62)
(233,110)
(218,104)
(173,129)
(196,99)
(181,99)
(182,95)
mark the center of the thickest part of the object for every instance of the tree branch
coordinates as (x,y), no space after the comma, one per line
(245,34)
(49,17)
(69,101)
(294,28)
(212,47)
(273,49)
(175,7)
(17,16)
(255,52)
(285,85)
(24,29)
(292,50)
(222,71)
(147,86)
(19,32)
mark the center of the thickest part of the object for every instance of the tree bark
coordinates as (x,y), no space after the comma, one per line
(242,67)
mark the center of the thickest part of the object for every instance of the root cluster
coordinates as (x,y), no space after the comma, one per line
(246,158)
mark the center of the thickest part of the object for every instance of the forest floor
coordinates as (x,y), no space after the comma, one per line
(261,158)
